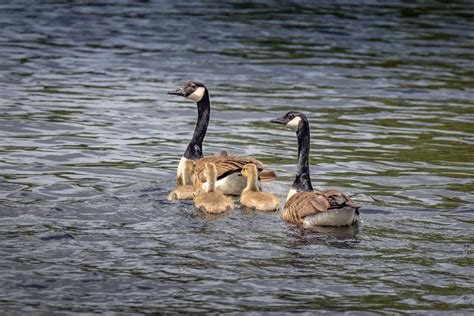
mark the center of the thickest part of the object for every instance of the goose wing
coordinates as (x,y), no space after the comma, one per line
(338,199)
(302,204)
(225,165)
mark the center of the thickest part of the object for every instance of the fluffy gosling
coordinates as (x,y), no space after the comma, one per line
(185,191)
(211,201)
(252,197)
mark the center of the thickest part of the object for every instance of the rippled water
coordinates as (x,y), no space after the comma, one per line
(90,143)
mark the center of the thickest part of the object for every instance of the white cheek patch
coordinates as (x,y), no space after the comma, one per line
(294,123)
(197,95)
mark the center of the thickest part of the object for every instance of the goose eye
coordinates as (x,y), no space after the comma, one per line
(193,86)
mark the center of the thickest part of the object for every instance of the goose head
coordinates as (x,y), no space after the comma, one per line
(193,90)
(293,120)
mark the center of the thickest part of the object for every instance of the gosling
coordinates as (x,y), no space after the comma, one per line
(212,201)
(252,197)
(185,191)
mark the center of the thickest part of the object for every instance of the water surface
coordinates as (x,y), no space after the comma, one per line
(90,143)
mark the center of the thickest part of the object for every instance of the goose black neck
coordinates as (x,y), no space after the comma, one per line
(302,181)
(194,149)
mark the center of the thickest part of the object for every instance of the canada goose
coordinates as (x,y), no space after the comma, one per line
(252,197)
(187,189)
(211,201)
(229,178)
(303,205)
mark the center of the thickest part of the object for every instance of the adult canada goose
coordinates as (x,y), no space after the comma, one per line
(303,205)
(229,178)
(211,201)
(252,197)
(187,189)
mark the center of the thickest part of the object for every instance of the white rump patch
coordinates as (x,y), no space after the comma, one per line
(334,217)
(294,123)
(233,184)
(197,95)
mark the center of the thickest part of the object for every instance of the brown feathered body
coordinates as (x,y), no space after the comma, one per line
(228,172)
(325,208)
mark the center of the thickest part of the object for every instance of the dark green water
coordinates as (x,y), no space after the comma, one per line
(90,143)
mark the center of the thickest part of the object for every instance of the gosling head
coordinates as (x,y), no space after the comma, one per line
(193,90)
(210,171)
(293,120)
(249,170)
(188,172)
(189,166)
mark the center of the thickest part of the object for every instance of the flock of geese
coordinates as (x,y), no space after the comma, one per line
(210,180)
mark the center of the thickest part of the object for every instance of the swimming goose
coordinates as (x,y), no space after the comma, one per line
(211,201)
(252,197)
(303,205)
(187,189)
(229,177)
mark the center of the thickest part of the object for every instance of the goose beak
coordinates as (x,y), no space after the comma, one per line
(179,92)
(279,120)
